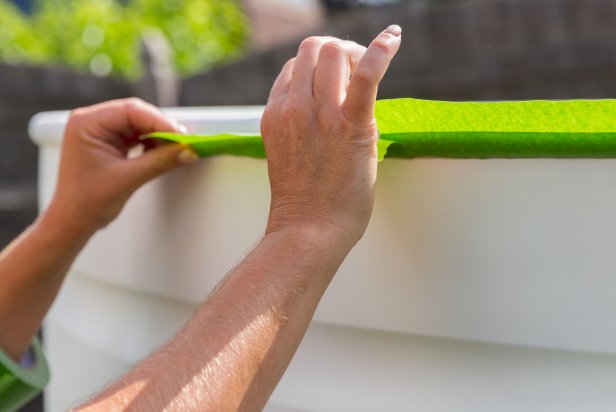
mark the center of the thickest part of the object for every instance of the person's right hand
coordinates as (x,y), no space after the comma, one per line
(320,135)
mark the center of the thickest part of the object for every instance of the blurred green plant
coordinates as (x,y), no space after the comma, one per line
(17,41)
(103,36)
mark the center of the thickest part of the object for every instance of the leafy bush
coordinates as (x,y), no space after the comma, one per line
(17,41)
(104,35)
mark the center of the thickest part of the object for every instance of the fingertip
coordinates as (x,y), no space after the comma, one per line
(394,30)
(388,42)
(180,128)
(187,156)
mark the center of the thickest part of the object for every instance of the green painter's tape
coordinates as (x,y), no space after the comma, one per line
(209,145)
(19,384)
(558,129)
(423,128)
(228,144)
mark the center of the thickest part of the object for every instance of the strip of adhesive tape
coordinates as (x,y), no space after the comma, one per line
(19,384)
(423,128)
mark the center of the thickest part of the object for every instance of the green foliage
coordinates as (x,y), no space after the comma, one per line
(202,32)
(17,41)
(103,36)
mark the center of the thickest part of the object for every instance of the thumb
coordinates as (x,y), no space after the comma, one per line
(362,90)
(156,162)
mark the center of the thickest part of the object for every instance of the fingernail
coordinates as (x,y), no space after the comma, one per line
(179,127)
(394,29)
(187,156)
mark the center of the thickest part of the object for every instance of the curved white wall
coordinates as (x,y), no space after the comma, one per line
(481,255)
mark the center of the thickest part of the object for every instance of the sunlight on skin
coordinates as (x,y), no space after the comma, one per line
(206,383)
(225,363)
(125,394)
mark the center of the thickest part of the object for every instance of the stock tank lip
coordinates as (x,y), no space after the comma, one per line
(47,128)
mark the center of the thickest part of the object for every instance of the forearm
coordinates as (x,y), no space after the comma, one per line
(32,269)
(231,355)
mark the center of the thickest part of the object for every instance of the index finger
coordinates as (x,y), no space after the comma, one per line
(126,118)
(361,94)
(283,81)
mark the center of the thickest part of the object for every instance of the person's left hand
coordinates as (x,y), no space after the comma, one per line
(96,176)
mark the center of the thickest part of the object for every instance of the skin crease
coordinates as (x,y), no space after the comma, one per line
(320,137)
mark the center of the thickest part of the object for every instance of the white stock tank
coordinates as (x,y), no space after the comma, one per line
(480,285)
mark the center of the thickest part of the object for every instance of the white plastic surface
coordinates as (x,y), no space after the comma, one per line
(509,251)
(337,369)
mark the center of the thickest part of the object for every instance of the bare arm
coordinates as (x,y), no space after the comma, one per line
(32,269)
(233,352)
(320,137)
(95,181)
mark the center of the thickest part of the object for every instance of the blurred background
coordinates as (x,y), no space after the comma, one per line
(60,54)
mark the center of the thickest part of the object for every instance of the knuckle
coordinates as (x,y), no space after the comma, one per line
(333,49)
(310,43)
(381,44)
(133,103)
(363,77)
(76,118)
(134,100)
(77,114)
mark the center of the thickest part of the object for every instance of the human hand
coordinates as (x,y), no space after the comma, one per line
(320,135)
(96,177)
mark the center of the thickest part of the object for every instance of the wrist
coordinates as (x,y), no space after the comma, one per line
(325,236)
(54,223)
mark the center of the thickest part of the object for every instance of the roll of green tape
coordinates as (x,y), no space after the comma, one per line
(19,384)
(424,128)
